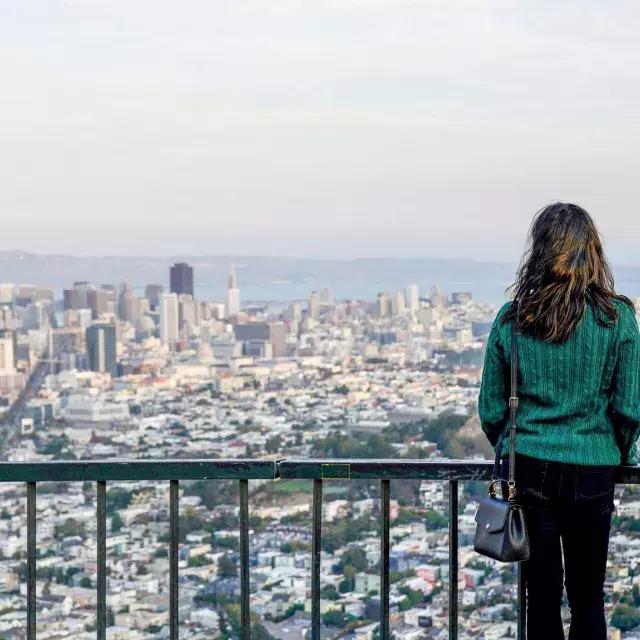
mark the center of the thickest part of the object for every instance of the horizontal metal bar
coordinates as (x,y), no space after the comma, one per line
(316,469)
(253,469)
(110,470)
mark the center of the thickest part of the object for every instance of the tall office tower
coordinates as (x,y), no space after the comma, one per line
(128,305)
(169,319)
(233,294)
(98,302)
(66,346)
(24,294)
(38,315)
(101,347)
(152,293)
(399,305)
(384,304)
(314,305)
(437,299)
(293,313)
(325,297)
(7,354)
(181,278)
(413,298)
(253,333)
(6,292)
(7,319)
(78,296)
(187,310)
(43,293)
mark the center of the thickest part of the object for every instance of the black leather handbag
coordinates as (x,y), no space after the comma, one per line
(501,531)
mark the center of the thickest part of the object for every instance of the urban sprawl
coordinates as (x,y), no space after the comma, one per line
(101,372)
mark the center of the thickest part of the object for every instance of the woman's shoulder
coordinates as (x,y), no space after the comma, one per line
(626,314)
(502,311)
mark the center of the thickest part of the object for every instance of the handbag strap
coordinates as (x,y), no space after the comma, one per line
(513,406)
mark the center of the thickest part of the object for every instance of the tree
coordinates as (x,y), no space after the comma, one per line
(116,523)
(227,567)
(334,618)
(71,527)
(435,520)
(625,617)
(273,444)
(356,557)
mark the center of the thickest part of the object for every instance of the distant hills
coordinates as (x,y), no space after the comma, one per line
(280,279)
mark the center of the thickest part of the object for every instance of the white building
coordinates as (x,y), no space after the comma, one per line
(169,319)
(84,409)
(233,295)
(413,298)
(6,356)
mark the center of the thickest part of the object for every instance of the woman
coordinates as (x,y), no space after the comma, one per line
(578,415)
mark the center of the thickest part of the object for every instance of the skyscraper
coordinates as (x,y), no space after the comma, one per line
(233,294)
(413,298)
(152,293)
(398,304)
(314,305)
(274,333)
(181,278)
(169,319)
(384,304)
(7,354)
(101,347)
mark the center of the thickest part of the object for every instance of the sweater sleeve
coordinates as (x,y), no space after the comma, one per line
(625,396)
(493,401)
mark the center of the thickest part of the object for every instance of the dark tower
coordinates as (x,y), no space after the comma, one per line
(181,278)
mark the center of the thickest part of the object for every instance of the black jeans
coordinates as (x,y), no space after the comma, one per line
(573,504)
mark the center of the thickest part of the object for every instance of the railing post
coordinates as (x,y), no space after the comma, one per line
(174,488)
(245,620)
(384,559)
(31,561)
(453,559)
(101,560)
(522,603)
(315,559)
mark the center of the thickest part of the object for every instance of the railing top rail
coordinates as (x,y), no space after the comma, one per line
(253,469)
(381,469)
(119,470)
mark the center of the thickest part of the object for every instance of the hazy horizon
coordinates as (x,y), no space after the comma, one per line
(331,128)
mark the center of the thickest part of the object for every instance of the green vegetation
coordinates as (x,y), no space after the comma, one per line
(334,619)
(118,498)
(625,617)
(258,632)
(70,527)
(227,567)
(337,445)
(213,493)
(435,520)
(116,523)
(345,531)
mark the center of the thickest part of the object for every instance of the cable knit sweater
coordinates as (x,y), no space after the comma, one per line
(579,401)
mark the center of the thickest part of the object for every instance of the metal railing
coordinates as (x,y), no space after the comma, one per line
(243,470)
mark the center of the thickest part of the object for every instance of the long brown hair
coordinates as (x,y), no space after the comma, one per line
(563,268)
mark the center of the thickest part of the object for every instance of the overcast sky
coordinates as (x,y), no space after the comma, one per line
(327,128)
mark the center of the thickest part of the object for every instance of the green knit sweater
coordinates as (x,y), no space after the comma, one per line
(579,401)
